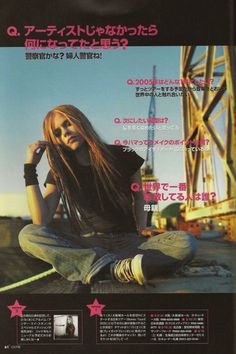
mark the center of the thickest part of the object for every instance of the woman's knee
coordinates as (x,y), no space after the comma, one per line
(27,234)
(177,244)
(189,244)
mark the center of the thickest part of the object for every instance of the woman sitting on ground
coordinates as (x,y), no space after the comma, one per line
(93,179)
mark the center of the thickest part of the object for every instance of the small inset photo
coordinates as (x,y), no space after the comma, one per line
(65,327)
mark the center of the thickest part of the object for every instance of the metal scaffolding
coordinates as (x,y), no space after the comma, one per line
(148,170)
(209,92)
(148,173)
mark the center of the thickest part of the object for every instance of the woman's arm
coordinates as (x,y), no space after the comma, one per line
(140,214)
(42,207)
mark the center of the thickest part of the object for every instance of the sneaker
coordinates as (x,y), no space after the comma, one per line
(129,270)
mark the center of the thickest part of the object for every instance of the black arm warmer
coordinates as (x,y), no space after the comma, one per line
(30,175)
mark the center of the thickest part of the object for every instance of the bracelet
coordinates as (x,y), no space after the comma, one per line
(30,175)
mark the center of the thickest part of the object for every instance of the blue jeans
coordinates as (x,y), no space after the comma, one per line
(81,258)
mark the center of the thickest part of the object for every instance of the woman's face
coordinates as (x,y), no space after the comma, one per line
(66,132)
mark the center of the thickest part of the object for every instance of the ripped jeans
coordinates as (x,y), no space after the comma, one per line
(81,258)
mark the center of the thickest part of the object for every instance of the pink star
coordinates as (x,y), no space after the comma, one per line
(16,309)
(96,308)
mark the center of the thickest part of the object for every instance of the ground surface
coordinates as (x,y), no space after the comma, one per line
(15,266)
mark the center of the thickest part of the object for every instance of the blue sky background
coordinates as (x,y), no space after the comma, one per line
(30,88)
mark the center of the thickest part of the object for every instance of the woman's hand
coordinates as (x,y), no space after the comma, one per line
(35,151)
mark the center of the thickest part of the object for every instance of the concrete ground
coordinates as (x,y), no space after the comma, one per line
(215,251)
(15,266)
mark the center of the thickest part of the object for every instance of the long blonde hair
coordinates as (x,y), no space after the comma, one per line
(101,159)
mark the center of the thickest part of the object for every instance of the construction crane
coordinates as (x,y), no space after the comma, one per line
(206,107)
(148,169)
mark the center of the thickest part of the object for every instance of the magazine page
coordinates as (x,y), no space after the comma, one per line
(117,184)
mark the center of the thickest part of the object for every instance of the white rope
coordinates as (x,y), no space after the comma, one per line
(28,280)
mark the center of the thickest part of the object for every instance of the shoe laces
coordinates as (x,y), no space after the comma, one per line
(123,271)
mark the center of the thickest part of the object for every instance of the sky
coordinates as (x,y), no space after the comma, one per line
(98,87)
